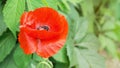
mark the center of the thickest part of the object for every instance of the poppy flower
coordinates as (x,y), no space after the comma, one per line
(42,31)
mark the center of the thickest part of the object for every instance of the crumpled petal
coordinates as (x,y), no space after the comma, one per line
(48,16)
(47,48)
(41,34)
(27,20)
(28,44)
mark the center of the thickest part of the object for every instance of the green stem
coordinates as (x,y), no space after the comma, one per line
(43,63)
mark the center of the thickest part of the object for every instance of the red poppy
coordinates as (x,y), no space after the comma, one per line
(42,31)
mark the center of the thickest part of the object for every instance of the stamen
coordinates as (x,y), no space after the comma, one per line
(43,28)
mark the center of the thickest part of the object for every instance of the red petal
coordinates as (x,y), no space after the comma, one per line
(45,16)
(28,44)
(65,28)
(40,34)
(47,48)
(50,17)
(23,18)
(27,19)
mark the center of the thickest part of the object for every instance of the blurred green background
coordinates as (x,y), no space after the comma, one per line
(103,17)
(94,30)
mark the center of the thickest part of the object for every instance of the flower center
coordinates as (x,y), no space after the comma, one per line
(43,28)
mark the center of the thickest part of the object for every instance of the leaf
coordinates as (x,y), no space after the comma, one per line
(33,4)
(37,58)
(112,35)
(12,12)
(117,30)
(80,30)
(109,44)
(78,25)
(22,60)
(7,42)
(51,3)
(88,59)
(63,7)
(8,63)
(61,65)
(90,41)
(73,19)
(116,9)
(75,2)
(2,24)
(66,4)
(109,24)
(88,12)
(85,43)
(61,55)
(70,52)
(32,64)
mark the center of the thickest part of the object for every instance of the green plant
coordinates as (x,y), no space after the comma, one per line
(93,26)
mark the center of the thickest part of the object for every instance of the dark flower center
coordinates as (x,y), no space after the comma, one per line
(43,28)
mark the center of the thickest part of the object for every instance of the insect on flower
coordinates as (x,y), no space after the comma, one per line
(42,31)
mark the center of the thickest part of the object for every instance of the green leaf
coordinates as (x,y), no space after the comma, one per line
(7,42)
(88,12)
(21,59)
(33,4)
(88,59)
(86,42)
(63,7)
(12,12)
(81,29)
(73,19)
(75,2)
(70,52)
(109,44)
(66,4)
(73,14)
(8,63)
(109,24)
(116,9)
(37,58)
(61,65)
(2,24)
(32,64)
(51,3)
(112,35)
(61,56)
(117,30)
(78,25)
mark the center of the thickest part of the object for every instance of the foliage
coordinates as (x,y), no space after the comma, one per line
(94,25)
